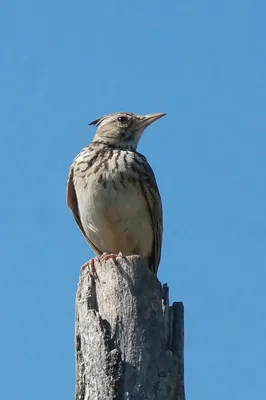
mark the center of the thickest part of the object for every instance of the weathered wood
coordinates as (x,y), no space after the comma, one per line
(129,342)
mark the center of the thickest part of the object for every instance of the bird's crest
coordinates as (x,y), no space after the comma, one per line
(96,121)
(99,120)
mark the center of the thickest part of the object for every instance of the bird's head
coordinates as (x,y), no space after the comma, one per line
(122,129)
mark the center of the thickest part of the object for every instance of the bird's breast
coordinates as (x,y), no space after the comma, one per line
(112,208)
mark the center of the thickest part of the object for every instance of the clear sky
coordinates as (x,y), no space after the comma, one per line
(64,63)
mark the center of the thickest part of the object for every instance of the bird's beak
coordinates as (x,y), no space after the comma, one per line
(146,120)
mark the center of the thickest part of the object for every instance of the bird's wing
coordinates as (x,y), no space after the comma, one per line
(151,193)
(72,203)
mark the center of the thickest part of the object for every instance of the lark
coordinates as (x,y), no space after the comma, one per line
(113,194)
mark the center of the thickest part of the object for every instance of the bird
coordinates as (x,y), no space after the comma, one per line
(113,194)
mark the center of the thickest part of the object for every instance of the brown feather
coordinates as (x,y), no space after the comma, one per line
(73,205)
(151,193)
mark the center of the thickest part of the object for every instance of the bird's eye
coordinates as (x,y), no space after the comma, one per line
(122,119)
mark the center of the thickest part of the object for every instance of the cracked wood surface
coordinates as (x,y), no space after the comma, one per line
(129,342)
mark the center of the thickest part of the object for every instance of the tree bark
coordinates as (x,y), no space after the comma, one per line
(129,342)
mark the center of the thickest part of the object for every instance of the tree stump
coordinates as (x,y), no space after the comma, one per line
(129,342)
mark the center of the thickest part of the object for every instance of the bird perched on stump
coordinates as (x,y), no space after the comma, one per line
(113,194)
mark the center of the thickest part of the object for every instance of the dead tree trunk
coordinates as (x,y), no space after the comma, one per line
(129,342)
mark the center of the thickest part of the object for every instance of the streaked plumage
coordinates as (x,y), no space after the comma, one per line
(112,191)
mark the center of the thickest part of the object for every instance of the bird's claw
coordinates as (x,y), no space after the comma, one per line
(92,271)
(108,256)
(91,263)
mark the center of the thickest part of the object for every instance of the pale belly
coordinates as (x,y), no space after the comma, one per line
(116,219)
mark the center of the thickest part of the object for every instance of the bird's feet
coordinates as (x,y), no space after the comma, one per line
(91,265)
(108,256)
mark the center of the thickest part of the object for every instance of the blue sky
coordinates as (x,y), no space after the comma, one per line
(62,65)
